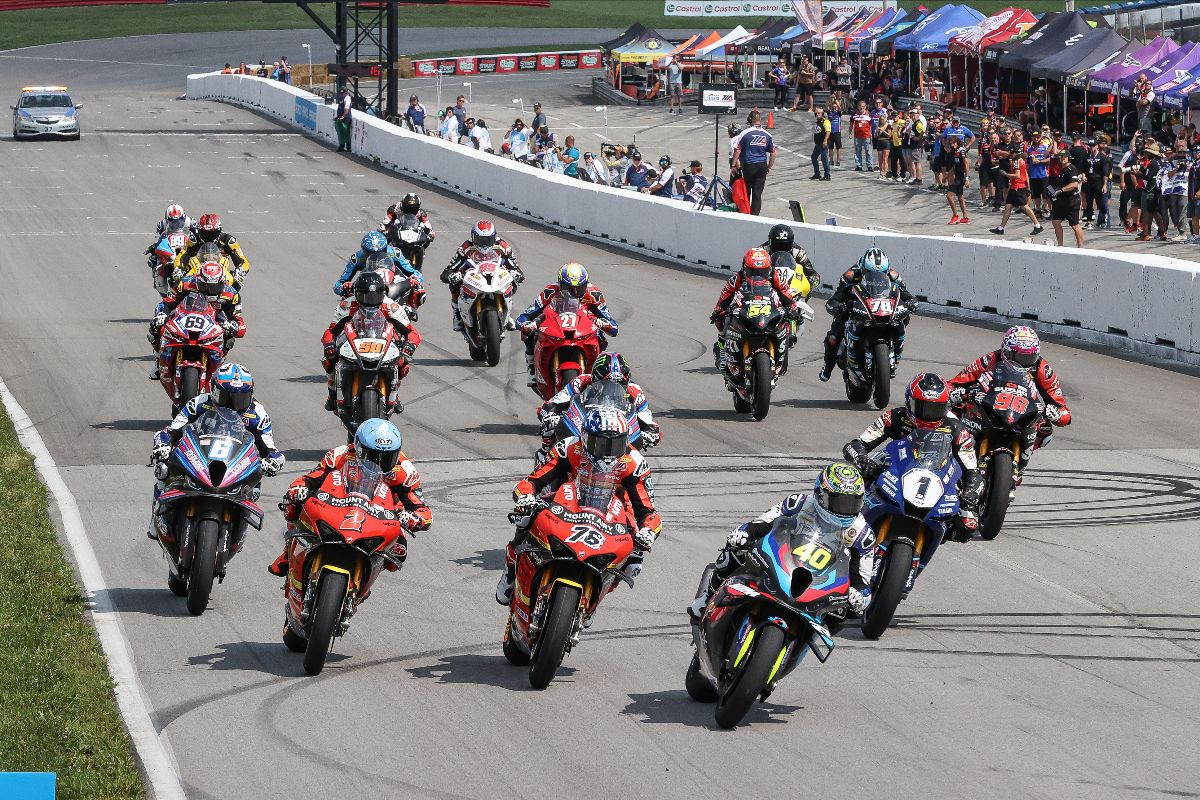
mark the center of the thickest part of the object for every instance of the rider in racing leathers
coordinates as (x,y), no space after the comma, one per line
(874,260)
(836,499)
(927,406)
(161,255)
(756,268)
(572,282)
(370,293)
(605,446)
(781,239)
(410,204)
(232,388)
(209,281)
(1022,346)
(374,243)
(608,366)
(209,230)
(379,442)
(483,237)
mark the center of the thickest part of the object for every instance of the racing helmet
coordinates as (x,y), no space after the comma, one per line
(927,399)
(605,436)
(756,264)
(174,212)
(234,387)
(611,366)
(210,280)
(209,228)
(1021,346)
(573,280)
(874,260)
(374,242)
(839,493)
(369,290)
(378,441)
(483,235)
(411,203)
(781,239)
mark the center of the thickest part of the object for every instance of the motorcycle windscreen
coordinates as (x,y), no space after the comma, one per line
(807,558)
(597,486)
(378,262)
(565,304)
(361,479)
(759,305)
(194,303)
(611,394)
(876,285)
(1010,397)
(227,445)
(175,225)
(370,324)
(931,448)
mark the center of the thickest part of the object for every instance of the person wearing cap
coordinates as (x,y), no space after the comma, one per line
(636,176)
(694,183)
(539,118)
(753,157)
(415,115)
(1064,195)
(664,184)
(341,120)
(1147,170)
(1174,180)
(1096,187)
(1017,196)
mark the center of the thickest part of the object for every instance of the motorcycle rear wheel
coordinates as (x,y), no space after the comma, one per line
(698,687)
(883,374)
(763,369)
(886,597)
(327,611)
(491,335)
(1000,483)
(736,699)
(551,645)
(204,561)
(189,385)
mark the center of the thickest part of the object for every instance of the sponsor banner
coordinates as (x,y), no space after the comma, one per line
(547,61)
(729,8)
(589,60)
(448,66)
(468,65)
(306,113)
(487,65)
(568,61)
(426,67)
(527,62)
(854,6)
(506,63)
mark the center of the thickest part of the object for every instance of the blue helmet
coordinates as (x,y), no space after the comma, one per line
(874,260)
(378,441)
(234,386)
(605,435)
(374,242)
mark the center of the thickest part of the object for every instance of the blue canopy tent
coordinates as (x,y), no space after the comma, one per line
(886,20)
(931,36)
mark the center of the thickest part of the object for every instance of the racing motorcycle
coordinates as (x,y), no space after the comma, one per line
(211,482)
(998,414)
(162,256)
(366,371)
(603,393)
(405,290)
(209,251)
(757,336)
(191,347)
(568,341)
(578,541)
(344,537)
(410,237)
(483,304)
(789,596)
(867,355)
(913,500)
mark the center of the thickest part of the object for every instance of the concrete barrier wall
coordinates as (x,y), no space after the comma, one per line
(1139,302)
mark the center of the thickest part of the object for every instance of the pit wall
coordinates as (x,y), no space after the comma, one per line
(1135,302)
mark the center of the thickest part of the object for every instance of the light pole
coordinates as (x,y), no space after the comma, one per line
(468,85)
(605,110)
(519,101)
(308,49)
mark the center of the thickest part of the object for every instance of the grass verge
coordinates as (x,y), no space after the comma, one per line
(57,710)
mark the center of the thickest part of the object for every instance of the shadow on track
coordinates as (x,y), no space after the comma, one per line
(268,657)
(503,429)
(155,602)
(149,425)
(482,670)
(675,707)
(487,560)
(306,379)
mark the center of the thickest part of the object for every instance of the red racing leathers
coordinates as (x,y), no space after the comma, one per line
(228,306)
(396,315)
(731,287)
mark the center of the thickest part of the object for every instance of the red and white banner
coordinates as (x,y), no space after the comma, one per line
(508,62)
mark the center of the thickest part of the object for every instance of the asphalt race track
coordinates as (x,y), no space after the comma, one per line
(1060,661)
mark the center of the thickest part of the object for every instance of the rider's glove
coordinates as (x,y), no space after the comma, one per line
(835,308)
(526,503)
(160,452)
(651,436)
(737,538)
(407,350)
(1053,412)
(273,463)
(956,395)
(643,539)
(713,317)
(239,276)
(230,327)
(160,320)
(411,521)
(550,425)
(296,494)
(528,328)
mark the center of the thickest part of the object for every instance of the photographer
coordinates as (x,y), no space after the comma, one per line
(663,185)
(568,155)
(1064,198)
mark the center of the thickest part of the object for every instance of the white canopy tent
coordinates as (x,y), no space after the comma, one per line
(735,36)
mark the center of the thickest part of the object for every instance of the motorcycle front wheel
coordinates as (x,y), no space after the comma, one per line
(1000,483)
(204,561)
(369,405)
(551,644)
(763,373)
(736,699)
(886,598)
(327,611)
(491,335)
(189,385)
(882,357)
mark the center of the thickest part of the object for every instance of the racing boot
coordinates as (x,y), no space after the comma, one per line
(153,374)
(504,587)
(830,360)
(455,321)
(719,354)
(279,567)
(331,395)
(532,382)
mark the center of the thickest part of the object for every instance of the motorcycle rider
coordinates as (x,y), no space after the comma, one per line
(160,254)
(874,260)
(208,281)
(409,204)
(782,239)
(374,243)
(756,268)
(208,252)
(836,500)
(1021,346)
(604,446)
(232,388)
(926,406)
(485,238)
(608,366)
(572,282)
(174,220)
(209,230)
(377,441)
(370,294)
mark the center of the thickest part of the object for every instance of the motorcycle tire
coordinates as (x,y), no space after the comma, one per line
(491,336)
(736,699)
(189,385)
(203,567)
(762,385)
(327,612)
(177,584)
(883,374)
(513,653)
(886,596)
(566,376)
(294,641)
(1000,483)
(699,688)
(551,645)
(369,405)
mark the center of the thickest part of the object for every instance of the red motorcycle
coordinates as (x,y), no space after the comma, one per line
(191,347)
(568,341)
(343,539)
(577,543)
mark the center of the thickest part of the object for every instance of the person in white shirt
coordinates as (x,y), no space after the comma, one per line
(518,141)
(449,125)
(480,137)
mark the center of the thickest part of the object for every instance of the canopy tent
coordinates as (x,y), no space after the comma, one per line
(717,48)
(788,35)
(1105,80)
(1096,45)
(1079,79)
(760,43)
(999,27)
(993,52)
(650,45)
(873,28)
(883,42)
(703,42)
(684,45)
(632,32)
(1161,70)
(932,35)
(1179,72)
(1064,31)
(1182,95)
(831,37)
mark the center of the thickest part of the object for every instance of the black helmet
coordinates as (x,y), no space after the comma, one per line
(611,366)
(411,203)
(781,239)
(369,290)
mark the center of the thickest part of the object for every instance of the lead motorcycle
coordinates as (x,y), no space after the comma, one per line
(410,237)
(211,491)
(912,502)
(867,353)
(366,373)
(483,304)
(999,414)
(161,255)
(788,597)
(191,347)
(757,337)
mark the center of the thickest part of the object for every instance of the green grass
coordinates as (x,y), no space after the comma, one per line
(57,710)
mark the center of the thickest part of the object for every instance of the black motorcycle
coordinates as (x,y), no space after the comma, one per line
(410,237)
(867,354)
(211,481)
(756,341)
(999,414)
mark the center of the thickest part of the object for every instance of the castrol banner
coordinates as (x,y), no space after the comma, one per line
(507,62)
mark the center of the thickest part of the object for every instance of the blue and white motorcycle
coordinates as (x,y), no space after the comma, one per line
(911,503)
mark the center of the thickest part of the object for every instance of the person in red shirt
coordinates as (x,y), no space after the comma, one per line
(1018,190)
(860,126)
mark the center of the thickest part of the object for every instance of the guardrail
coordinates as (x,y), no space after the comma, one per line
(1139,302)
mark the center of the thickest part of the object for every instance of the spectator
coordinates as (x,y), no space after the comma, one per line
(1193,209)
(1018,191)
(1174,191)
(984,163)
(616,162)
(896,153)
(1038,155)
(834,114)
(880,137)
(569,156)
(861,125)
(341,120)
(518,141)
(636,176)
(956,187)
(664,184)
(822,132)
(843,74)
(592,171)
(1147,170)
(695,185)
(779,82)
(754,156)
(806,76)
(460,113)
(448,125)
(480,137)
(285,70)
(228,69)
(674,86)
(243,69)
(415,115)
(1064,193)
(263,70)
(539,119)
(1096,188)
(1143,95)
